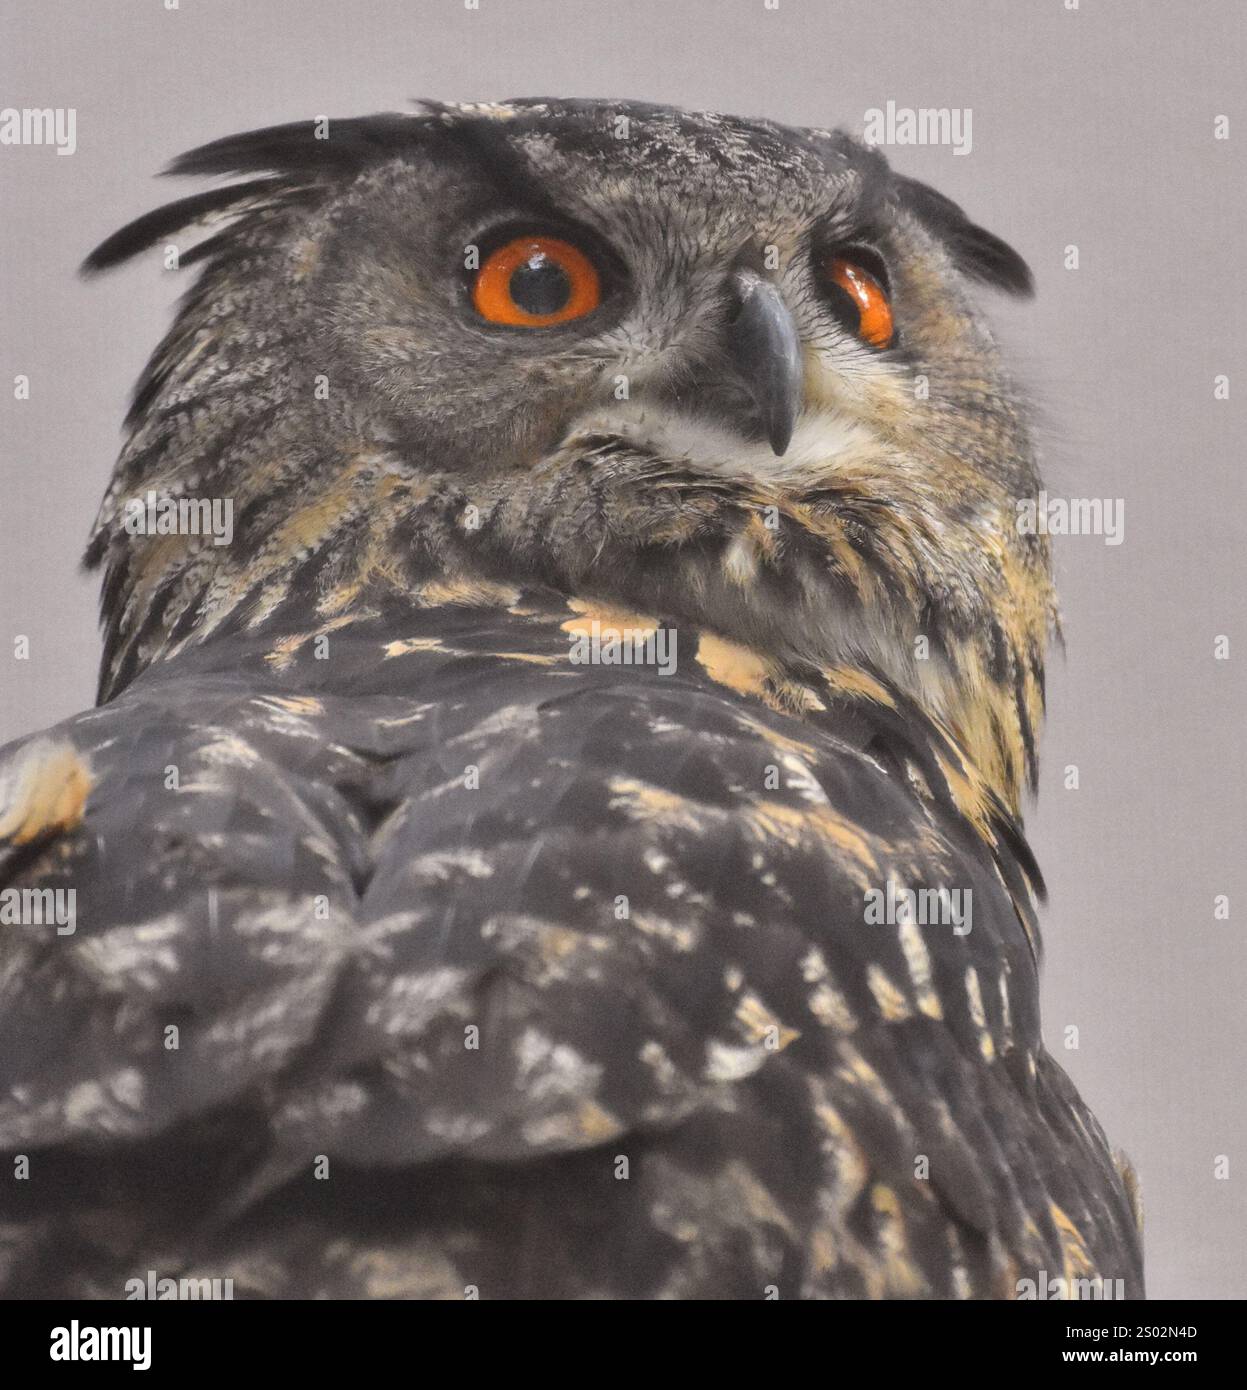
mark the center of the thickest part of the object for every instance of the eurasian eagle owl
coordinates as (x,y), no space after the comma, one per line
(564,840)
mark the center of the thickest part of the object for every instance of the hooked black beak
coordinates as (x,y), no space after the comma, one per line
(763,341)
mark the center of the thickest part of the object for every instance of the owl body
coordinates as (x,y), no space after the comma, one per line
(489,968)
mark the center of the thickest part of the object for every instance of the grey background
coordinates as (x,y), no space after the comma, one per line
(1091,127)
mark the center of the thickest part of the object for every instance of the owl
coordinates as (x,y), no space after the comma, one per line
(551,826)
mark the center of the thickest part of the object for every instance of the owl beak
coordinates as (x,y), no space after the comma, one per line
(766,349)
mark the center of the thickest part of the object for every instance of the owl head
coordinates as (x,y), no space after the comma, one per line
(721,370)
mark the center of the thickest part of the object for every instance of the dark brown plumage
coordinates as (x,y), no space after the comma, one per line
(563,973)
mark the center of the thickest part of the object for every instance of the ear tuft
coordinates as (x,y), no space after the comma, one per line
(976,252)
(298,159)
(304,149)
(166,221)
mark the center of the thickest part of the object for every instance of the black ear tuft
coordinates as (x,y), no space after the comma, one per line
(300,158)
(975,251)
(305,148)
(162,222)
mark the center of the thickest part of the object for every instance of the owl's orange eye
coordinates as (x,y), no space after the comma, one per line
(868,296)
(536,281)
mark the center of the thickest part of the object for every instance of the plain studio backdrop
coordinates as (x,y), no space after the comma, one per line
(1092,128)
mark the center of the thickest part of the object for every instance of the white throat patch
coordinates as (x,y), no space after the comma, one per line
(821,436)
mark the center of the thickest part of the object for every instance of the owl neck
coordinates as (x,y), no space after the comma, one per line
(814,587)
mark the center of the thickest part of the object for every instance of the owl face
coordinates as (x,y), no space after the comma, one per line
(714,369)
(756,300)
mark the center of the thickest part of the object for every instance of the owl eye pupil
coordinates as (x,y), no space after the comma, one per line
(540,286)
